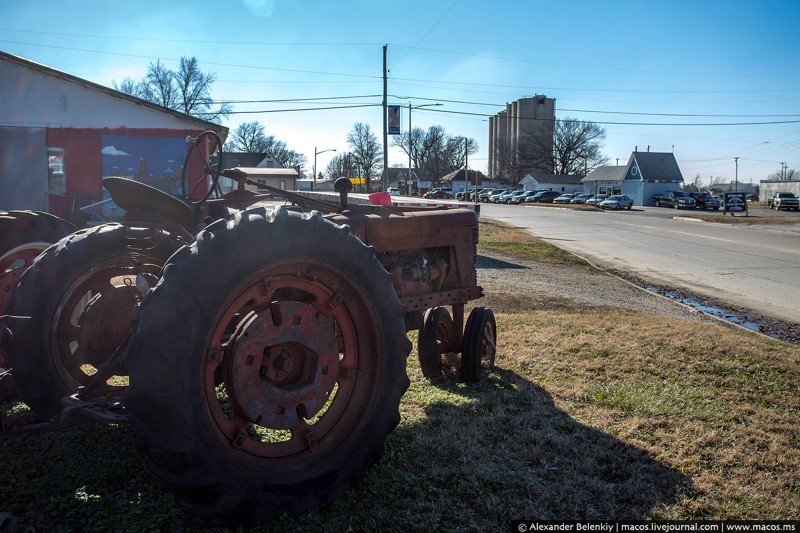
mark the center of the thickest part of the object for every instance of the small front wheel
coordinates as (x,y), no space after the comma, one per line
(435,340)
(480,344)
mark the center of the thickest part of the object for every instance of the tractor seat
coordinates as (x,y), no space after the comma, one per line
(136,197)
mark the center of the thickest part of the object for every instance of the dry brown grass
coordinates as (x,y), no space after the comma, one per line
(716,405)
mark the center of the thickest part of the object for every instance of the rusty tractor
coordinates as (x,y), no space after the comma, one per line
(259,354)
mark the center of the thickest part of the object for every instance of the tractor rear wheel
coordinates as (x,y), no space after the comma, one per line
(26,234)
(267,366)
(82,298)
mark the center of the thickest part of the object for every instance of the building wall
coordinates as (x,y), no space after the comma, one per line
(767,189)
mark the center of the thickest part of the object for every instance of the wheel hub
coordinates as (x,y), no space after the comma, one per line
(283,362)
(105,321)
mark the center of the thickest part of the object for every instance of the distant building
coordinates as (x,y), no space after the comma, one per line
(605,180)
(646,174)
(768,188)
(649,173)
(552,182)
(456,180)
(521,138)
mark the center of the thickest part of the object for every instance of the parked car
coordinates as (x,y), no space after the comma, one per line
(703,200)
(674,199)
(483,196)
(543,197)
(437,193)
(617,201)
(496,194)
(581,198)
(596,199)
(467,195)
(394,191)
(564,198)
(784,200)
(521,197)
(506,198)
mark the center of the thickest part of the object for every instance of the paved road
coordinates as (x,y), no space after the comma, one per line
(755,267)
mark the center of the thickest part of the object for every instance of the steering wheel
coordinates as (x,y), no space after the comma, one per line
(197,144)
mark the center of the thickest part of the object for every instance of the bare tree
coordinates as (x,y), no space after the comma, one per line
(247,137)
(187,90)
(341,165)
(368,154)
(577,146)
(434,153)
(789,174)
(250,137)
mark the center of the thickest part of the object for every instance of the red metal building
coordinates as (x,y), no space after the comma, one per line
(60,135)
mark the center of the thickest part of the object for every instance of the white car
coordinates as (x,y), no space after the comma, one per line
(616,201)
(394,191)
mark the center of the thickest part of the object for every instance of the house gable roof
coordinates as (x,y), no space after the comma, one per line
(655,166)
(458,176)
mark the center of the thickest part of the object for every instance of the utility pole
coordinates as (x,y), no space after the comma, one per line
(385,177)
(736,185)
(466,165)
(783,170)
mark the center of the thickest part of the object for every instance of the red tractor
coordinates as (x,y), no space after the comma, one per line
(259,354)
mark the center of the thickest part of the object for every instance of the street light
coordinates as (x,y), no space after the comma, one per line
(314,183)
(410,107)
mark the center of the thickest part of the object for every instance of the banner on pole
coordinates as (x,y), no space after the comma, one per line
(394,119)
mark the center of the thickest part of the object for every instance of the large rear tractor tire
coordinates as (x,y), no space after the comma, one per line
(82,299)
(268,365)
(23,236)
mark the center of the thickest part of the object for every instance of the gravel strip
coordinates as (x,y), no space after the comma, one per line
(514,284)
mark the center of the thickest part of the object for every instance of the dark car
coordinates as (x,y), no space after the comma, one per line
(543,197)
(703,200)
(437,193)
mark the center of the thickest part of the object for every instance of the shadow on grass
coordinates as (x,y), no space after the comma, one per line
(492,263)
(465,457)
(508,453)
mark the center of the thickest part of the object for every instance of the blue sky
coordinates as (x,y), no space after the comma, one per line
(633,66)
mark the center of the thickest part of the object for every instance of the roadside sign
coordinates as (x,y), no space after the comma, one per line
(735,202)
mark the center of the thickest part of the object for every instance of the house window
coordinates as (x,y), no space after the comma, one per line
(56,173)
(282,185)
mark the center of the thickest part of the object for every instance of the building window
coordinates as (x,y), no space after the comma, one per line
(282,185)
(56,173)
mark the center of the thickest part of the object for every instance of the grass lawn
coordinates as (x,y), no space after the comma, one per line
(590,414)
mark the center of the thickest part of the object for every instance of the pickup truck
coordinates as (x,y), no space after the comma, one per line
(784,200)
(676,199)
(703,200)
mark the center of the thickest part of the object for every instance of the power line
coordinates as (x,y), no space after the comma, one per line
(302,109)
